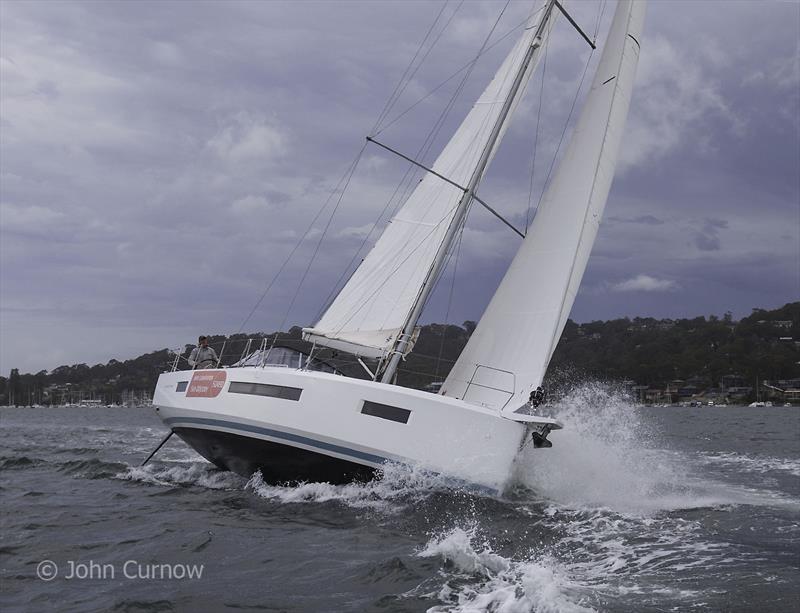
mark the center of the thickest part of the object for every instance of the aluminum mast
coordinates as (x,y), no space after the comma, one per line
(405,336)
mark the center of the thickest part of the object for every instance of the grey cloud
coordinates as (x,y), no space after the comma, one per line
(644,283)
(712,225)
(707,239)
(161,159)
(649,220)
(705,242)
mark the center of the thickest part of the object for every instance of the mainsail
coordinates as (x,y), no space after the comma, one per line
(508,353)
(374,306)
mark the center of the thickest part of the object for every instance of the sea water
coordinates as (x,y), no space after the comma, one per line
(632,509)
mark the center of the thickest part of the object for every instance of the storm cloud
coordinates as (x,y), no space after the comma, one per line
(160,160)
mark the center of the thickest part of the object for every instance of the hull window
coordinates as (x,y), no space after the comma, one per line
(262,389)
(181,387)
(385,411)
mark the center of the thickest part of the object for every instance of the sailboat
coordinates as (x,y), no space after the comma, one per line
(302,424)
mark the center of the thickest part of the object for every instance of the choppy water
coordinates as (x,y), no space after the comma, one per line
(632,509)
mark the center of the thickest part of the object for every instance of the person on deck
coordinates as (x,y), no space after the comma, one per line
(203,356)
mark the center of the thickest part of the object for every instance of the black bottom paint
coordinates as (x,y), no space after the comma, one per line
(277,462)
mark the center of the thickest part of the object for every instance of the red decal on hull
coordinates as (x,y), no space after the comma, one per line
(206,384)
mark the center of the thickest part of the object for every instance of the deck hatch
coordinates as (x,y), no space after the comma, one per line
(386,411)
(181,387)
(264,389)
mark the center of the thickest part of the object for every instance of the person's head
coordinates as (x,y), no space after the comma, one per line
(203,341)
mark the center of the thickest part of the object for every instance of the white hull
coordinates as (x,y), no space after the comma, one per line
(313,422)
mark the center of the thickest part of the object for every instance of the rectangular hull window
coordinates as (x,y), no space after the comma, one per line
(263,389)
(181,387)
(385,411)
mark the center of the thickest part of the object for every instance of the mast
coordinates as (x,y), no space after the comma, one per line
(405,336)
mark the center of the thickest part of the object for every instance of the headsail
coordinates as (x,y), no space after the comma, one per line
(508,353)
(374,305)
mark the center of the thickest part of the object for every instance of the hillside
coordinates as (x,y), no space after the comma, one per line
(687,356)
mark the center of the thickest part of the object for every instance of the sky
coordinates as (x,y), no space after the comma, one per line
(159,162)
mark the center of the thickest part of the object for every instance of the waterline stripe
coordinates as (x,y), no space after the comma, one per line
(295,438)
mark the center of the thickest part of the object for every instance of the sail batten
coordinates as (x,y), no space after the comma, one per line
(375,307)
(510,349)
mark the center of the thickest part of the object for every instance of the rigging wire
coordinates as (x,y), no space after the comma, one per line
(601,11)
(400,87)
(324,233)
(430,139)
(348,173)
(394,270)
(427,144)
(424,149)
(454,75)
(299,242)
(450,298)
(437,127)
(376,129)
(336,287)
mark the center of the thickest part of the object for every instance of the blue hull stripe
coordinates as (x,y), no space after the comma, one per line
(287,436)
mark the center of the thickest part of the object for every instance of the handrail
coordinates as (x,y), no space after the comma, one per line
(221,351)
(227,351)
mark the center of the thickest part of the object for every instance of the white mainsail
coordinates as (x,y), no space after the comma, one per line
(508,353)
(372,308)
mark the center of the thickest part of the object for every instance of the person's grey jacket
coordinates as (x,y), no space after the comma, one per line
(203,357)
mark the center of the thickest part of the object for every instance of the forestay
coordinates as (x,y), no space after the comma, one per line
(508,353)
(371,309)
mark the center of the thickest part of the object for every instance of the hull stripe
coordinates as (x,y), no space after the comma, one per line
(296,438)
(286,436)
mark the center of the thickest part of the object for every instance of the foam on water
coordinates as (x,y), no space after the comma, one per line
(397,486)
(600,545)
(608,456)
(482,580)
(610,493)
(609,511)
(601,457)
(602,504)
(757,464)
(201,474)
(597,555)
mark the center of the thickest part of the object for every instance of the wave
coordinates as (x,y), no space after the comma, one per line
(604,457)
(481,580)
(8,463)
(93,468)
(570,560)
(756,464)
(396,486)
(609,457)
(201,474)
